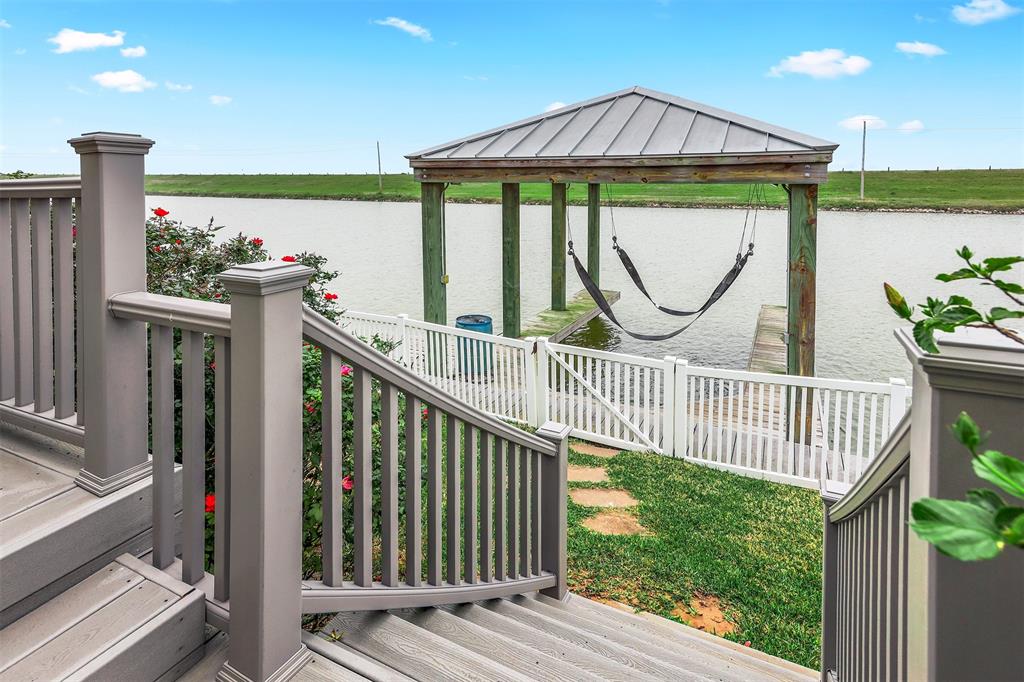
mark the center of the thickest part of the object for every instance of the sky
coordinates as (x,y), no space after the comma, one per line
(311,87)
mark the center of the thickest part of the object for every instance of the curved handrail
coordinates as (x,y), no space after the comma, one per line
(895,452)
(41,188)
(321,332)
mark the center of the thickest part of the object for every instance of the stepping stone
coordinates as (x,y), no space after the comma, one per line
(595,450)
(587,474)
(602,497)
(614,522)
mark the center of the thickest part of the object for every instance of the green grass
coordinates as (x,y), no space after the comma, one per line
(755,545)
(954,190)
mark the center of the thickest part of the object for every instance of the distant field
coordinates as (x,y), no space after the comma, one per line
(954,190)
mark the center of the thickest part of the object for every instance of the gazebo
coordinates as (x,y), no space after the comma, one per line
(629,136)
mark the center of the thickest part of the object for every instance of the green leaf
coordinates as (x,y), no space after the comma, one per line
(962,273)
(1001,470)
(1015,532)
(967,432)
(957,316)
(965,253)
(958,529)
(1007,517)
(897,302)
(959,300)
(1001,264)
(987,500)
(1000,313)
(1009,287)
(924,336)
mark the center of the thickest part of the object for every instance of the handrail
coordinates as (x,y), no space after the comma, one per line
(895,452)
(41,188)
(185,313)
(320,331)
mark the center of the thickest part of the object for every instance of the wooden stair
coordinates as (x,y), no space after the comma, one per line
(538,638)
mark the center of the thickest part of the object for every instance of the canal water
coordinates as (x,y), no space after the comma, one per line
(681,254)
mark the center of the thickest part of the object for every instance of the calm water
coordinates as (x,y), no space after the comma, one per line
(681,253)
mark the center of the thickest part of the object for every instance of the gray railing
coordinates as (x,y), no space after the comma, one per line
(893,607)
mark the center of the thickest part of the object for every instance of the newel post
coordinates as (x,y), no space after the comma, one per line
(554,491)
(266,472)
(112,366)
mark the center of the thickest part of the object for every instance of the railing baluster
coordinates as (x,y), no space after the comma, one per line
(64,310)
(22,257)
(79,327)
(513,511)
(469,495)
(161,340)
(488,445)
(389,484)
(536,522)
(434,496)
(193,456)
(524,511)
(452,522)
(331,429)
(362,436)
(6,305)
(501,512)
(42,306)
(413,468)
(222,467)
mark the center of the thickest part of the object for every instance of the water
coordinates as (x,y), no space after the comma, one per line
(681,253)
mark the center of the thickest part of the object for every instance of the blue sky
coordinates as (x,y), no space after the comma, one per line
(299,87)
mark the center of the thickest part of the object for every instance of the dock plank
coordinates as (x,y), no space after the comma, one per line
(556,325)
(768,352)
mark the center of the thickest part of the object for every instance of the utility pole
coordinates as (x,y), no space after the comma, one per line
(380,177)
(863,149)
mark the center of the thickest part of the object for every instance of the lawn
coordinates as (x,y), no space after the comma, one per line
(957,190)
(754,545)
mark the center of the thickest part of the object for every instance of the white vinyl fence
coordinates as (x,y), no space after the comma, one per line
(790,429)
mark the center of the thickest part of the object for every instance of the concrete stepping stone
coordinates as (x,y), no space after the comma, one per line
(602,497)
(591,449)
(587,474)
(614,522)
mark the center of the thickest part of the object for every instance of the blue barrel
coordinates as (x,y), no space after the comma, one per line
(475,354)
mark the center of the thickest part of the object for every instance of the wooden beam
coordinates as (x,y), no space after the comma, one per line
(594,232)
(510,259)
(803,231)
(435,297)
(623,161)
(763,173)
(558,246)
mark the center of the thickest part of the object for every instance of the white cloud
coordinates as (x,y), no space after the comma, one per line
(978,12)
(914,126)
(177,87)
(857,122)
(4,23)
(923,49)
(20,51)
(921,19)
(219,100)
(827,63)
(553,106)
(139,51)
(80,91)
(70,40)
(123,81)
(409,27)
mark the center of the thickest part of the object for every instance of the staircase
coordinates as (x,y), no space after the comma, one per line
(533,637)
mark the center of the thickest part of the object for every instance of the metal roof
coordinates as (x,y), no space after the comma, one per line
(632,123)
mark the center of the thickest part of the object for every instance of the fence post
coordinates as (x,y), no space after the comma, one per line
(897,402)
(554,491)
(111,260)
(541,382)
(681,420)
(668,400)
(266,481)
(403,336)
(530,371)
(829,587)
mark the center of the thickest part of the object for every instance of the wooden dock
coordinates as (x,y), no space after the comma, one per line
(556,325)
(768,352)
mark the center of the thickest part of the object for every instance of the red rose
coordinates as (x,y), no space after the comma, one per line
(288,259)
(346,483)
(256,241)
(310,408)
(156,249)
(345,370)
(74,231)
(211,503)
(160,213)
(330,297)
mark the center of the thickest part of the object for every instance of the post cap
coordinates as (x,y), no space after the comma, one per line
(113,143)
(265,277)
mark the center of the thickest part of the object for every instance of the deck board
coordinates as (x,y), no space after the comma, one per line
(24,484)
(768,353)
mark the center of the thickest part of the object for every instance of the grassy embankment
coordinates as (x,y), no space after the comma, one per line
(953,190)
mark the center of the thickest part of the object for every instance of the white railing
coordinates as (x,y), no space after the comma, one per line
(789,429)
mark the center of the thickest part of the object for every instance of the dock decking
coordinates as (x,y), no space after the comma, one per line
(768,352)
(558,324)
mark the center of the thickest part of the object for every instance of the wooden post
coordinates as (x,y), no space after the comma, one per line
(510,259)
(558,246)
(553,513)
(803,230)
(266,476)
(435,298)
(112,260)
(594,232)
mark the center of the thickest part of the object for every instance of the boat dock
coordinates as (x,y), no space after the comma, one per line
(768,352)
(556,325)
